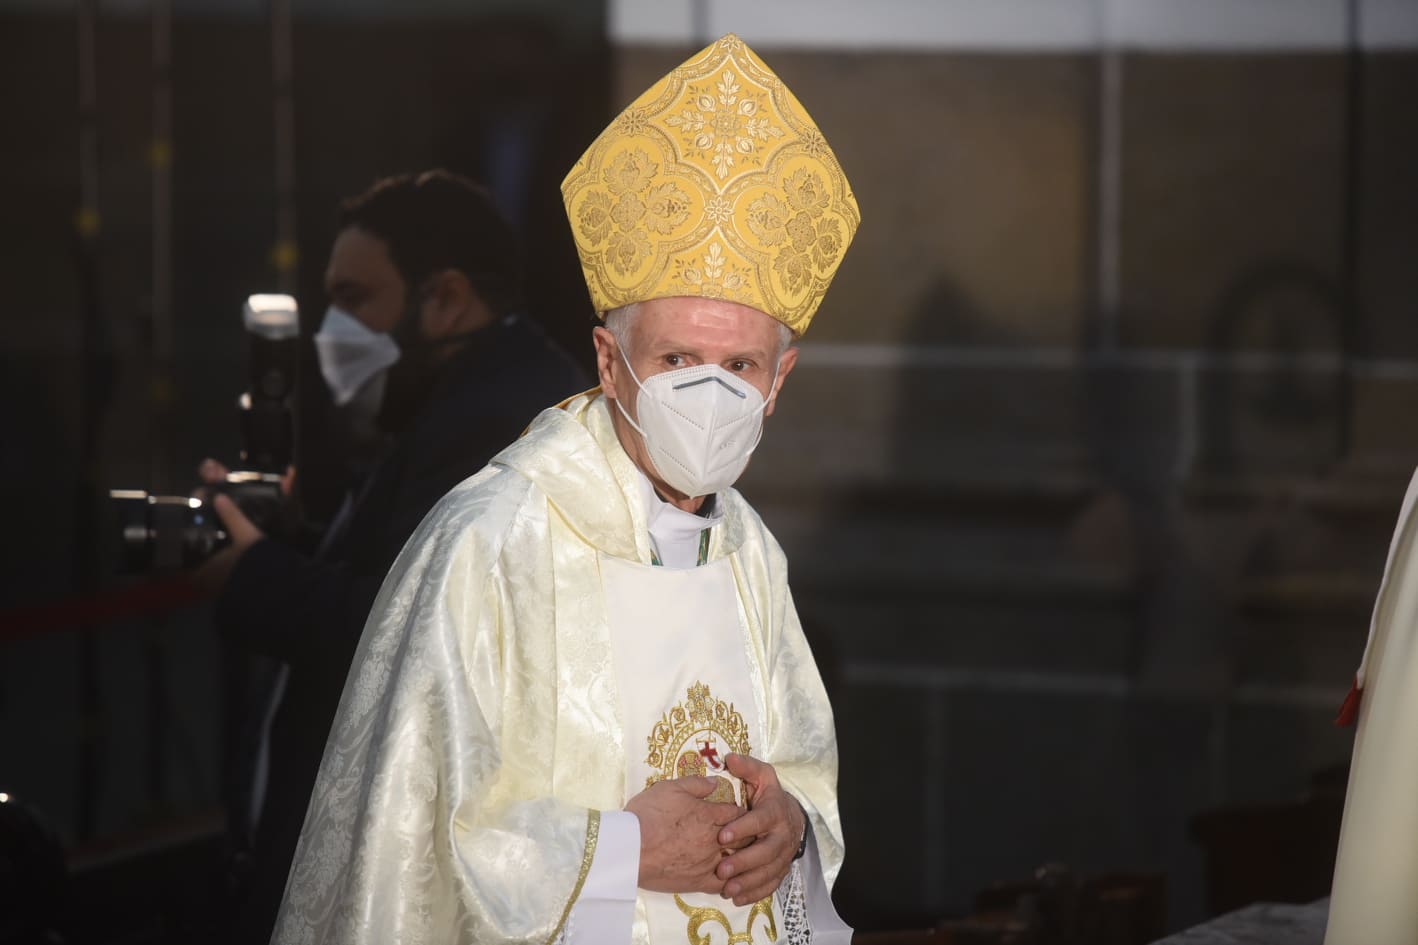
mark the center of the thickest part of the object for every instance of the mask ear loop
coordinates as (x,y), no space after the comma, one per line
(778,366)
(639,386)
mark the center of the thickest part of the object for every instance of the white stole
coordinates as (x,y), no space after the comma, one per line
(681,654)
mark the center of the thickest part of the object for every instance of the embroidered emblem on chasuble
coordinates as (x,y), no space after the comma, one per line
(692,740)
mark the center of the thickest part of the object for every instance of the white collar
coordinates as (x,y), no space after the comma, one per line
(674,533)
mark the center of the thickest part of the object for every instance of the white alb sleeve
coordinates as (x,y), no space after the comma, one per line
(605,910)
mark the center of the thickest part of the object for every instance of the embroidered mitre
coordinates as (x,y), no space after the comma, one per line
(714,183)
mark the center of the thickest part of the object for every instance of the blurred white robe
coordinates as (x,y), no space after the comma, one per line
(1375,895)
(479,738)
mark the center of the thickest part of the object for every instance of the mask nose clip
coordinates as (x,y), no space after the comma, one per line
(711,379)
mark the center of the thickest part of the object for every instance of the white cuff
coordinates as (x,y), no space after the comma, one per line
(605,909)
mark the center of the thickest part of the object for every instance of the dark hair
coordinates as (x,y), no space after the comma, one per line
(435,221)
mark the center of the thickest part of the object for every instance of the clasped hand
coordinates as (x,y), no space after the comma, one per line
(688,844)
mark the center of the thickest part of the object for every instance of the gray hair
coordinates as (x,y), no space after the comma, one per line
(621,321)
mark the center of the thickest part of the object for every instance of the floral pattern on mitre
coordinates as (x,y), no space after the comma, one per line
(716,183)
(803,229)
(713,275)
(726,125)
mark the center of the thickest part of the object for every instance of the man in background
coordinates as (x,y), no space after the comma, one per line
(433,369)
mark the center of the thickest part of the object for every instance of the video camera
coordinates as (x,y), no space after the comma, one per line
(168,533)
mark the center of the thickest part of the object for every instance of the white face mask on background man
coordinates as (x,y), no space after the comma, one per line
(700,425)
(353,358)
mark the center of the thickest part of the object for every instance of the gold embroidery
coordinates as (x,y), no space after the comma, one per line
(593,833)
(699,917)
(714,183)
(724,127)
(715,278)
(595,216)
(692,737)
(631,122)
(808,240)
(643,206)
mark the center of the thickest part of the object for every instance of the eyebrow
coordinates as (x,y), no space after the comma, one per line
(660,351)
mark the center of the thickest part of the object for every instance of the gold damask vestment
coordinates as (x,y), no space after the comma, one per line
(478,737)
(715,182)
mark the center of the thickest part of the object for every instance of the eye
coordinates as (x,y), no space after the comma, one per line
(739,366)
(674,360)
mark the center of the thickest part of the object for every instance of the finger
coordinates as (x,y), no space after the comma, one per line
(238,526)
(755,823)
(711,818)
(751,889)
(750,858)
(747,768)
(211,471)
(752,885)
(699,875)
(288,482)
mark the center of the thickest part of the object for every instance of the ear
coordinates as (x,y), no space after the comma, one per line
(453,306)
(785,367)
(607,359)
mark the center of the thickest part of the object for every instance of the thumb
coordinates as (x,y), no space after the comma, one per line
(745,767)
(242,530)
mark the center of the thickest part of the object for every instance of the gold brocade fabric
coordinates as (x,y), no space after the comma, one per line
(715,183)
(479,730)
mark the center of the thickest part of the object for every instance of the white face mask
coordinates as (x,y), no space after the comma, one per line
(351,354)
(700,424)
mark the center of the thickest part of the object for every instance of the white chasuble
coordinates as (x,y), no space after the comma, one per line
(494,720)
(1375,894)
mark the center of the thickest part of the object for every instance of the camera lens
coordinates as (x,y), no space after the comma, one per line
(165,532)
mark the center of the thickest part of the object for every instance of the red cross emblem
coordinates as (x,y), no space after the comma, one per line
(710,754)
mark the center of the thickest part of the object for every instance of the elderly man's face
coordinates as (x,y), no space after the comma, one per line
(668,334)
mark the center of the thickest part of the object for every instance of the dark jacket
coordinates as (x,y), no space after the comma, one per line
(309,612)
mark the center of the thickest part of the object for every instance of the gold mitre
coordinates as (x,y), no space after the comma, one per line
(716,183)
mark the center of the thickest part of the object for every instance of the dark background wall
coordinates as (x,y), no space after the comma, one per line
(1093,589)
(1092,549)
(1086,475)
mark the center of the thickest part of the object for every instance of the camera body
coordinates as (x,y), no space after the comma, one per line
(168,533)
